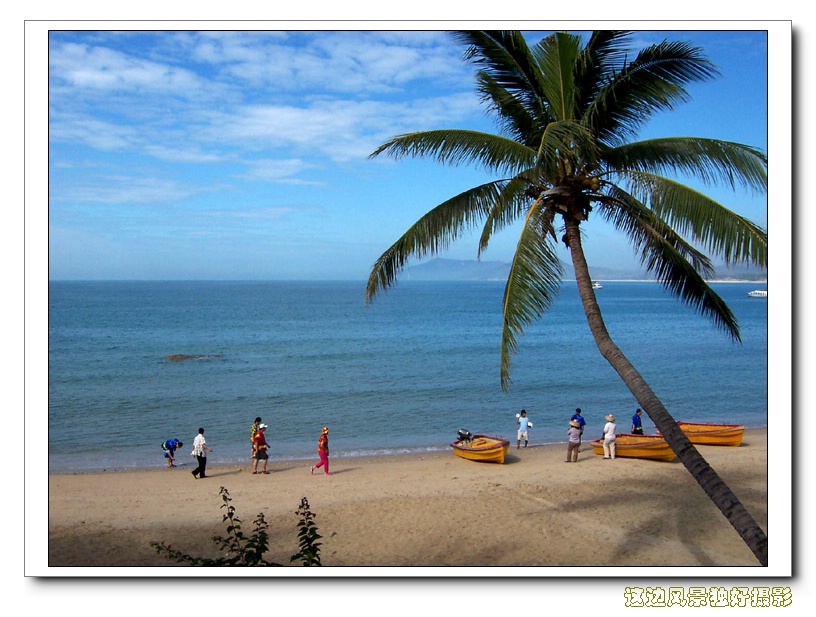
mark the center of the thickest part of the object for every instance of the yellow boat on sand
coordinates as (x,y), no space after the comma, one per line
(713,434)
(638,446)
(484,448)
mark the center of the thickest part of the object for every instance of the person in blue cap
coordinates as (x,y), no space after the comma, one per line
(170,446)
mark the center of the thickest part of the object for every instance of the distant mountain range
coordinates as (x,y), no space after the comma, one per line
(473,270)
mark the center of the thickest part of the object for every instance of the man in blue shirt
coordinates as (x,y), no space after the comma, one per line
(637,427)
(170,446)
(579,419)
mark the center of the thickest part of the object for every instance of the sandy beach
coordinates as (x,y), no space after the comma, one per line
(424,510)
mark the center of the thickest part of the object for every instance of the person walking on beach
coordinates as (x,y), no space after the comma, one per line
(523,425)
(259,446)
(200,449)
(609,437)
(574,441)
(323,451)
(581,424)
(252,430)
(170,446)
(637,426)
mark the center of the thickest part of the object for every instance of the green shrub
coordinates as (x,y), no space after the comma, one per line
(309,552)
(248,550)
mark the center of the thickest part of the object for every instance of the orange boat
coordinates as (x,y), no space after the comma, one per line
(480,447)
(713,434)
(638,446)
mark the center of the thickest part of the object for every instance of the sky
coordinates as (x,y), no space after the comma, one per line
(244,155)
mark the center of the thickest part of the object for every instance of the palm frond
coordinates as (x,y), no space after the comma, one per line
(532,285)
(676,265)
(710,160)
(455,147)
(556,56)
(565,142)
(507,208)
(504,59)
(432,234)
(690,213)
(654,81)
(604,53)
(515,120)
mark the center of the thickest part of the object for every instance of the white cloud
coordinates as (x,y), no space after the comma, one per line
(122,190)
(355,63)
(336,95)
(281,171)
(98,68)
(341,130)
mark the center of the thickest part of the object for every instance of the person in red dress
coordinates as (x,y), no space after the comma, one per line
(323,451)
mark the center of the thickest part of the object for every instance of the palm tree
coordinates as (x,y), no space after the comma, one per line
(568,116)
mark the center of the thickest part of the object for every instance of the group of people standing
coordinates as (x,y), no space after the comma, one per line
(260,447)
(610,434)
(575,433)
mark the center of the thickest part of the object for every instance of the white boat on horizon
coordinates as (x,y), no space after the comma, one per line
(758,293)
(596,285)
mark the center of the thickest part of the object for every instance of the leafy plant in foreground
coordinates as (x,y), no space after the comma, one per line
(309,552)
(248,550)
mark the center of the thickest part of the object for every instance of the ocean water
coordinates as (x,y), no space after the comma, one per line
(400,375)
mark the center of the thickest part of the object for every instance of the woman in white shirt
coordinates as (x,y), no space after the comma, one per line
(609,431)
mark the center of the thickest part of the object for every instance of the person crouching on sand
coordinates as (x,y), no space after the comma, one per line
(169,447)
(323,451)
(574,433)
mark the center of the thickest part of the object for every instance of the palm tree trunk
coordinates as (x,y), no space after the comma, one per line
(717,490)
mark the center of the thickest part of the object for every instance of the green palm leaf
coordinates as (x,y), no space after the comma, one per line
(654,81)
(556,55)
(510,204)
(709,160)
(432,234)
(677,265)
(703,220)
(605,53)
(454,147)
(507,70)
(532,285)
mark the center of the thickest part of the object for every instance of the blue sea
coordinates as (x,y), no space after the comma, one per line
(401,375)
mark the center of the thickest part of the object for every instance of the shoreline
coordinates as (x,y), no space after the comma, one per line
(427,509)
(233,459)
